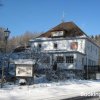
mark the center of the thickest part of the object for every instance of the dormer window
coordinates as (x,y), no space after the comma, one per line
(58,34)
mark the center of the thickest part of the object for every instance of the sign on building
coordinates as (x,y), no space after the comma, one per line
(24,70)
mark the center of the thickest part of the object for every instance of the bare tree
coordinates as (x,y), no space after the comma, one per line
(43,65)
(20,40)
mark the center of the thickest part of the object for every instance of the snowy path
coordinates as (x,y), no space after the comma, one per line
(49,91)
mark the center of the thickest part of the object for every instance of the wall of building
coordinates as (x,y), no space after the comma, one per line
(89,56)
(62,45)
(92,53)
(75,63)
(65,65)
(79,61)
(99,58)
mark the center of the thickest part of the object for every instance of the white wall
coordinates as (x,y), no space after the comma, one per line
(79,64)
(77,61)
(84,46)
(62,45)
(65,65)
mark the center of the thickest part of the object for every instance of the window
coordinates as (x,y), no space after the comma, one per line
(91,48)
(96,51)
(89,61)
(82,61)
(86,61)
(39,45)
(55,45)
(74,45)
(69,59)
(60,59)
(58,33)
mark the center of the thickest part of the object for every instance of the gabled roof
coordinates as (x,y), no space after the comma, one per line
(68,27)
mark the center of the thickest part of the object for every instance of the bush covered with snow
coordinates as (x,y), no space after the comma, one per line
(22,82)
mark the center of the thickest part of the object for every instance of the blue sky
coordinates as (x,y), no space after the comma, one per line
(41,15)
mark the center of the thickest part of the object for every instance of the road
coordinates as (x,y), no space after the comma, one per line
(84,98)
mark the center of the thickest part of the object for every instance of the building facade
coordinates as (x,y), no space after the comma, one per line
(69,48)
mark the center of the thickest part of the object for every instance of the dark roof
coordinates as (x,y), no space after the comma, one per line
(20,49)
(68,27)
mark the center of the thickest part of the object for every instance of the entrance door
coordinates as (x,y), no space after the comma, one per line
(54,67)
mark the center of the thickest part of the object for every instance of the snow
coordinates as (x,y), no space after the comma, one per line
(22,81)
(24,61)
(49,91)
(39,39)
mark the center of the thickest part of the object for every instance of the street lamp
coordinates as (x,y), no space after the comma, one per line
(6,36)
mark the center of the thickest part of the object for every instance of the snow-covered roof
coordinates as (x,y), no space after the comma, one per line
(25,61)
(38,39)
(63,51)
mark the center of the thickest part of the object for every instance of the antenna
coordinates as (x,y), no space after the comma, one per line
(63,16)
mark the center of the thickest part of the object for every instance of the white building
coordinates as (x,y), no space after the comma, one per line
(69,47)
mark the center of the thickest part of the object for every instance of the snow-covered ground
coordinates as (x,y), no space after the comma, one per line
(50,91)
